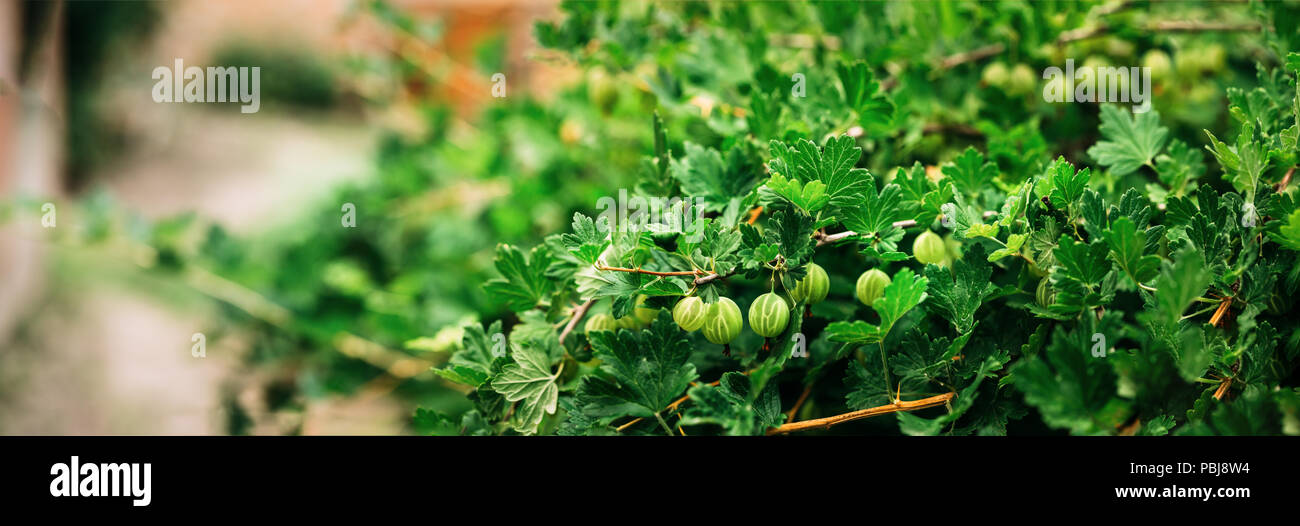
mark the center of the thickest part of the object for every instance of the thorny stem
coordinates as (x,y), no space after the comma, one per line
(899,405)
(578,313)
(696,272)
(826,239)
(1285,179)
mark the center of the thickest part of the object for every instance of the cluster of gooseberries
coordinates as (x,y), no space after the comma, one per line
(769,314)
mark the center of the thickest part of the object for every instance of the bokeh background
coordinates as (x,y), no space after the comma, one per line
(97,314)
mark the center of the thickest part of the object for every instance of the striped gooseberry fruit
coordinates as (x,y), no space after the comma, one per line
(871,284)
(769,314)
(690,313)
(812,287)
(723,323)
(929,248)
(599,322)
(644,315)
(1045,295)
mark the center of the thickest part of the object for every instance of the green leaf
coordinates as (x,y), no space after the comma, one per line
(832,165)
(862,94)
(524,282)
(711,406)
(1133,140)
(1288,235)
(906,291)
(1242,164)
(1179,166)
(1014,242)
(1083,262)
(958,294)
(970,173)
(529,381)
(479,348)
(587,240)
(1180,283)
(810,197)
(1127,247)
(873,218)
(1071,389)
(704,173)
(1067,184)
(650,367)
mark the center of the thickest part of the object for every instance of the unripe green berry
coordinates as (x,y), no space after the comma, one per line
(630,323)
(599,322)
(929,248)
(769,314)
(690,313)
(871,284)
(1159,64)
(723,323)
(1021,80)
(996,74)
(644,315)
(813,287)
(1045,295)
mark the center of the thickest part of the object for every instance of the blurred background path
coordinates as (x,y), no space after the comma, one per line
(82,354)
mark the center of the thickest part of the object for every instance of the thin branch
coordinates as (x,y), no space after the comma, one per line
(1223,310)
(826,239)
(671,407)
(711,277)
(980,53)
(1161,26)
(952,61)
(1194,26)
(578,313)
(1281,186)
(653,273)
(826,423)
(789,416)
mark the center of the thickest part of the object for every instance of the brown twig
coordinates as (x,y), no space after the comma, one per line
(1168,26)
(578,313)
(980,53)
(1195,26)
(670,407)
(952,61)
(653,273)
(1281,186)
(753,214)
(826,239)
(789,416)
(826,423)
(1223,388)
(711,277)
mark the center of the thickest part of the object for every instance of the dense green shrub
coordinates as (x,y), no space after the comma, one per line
(1091,270)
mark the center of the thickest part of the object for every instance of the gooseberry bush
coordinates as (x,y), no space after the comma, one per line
(844,254)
